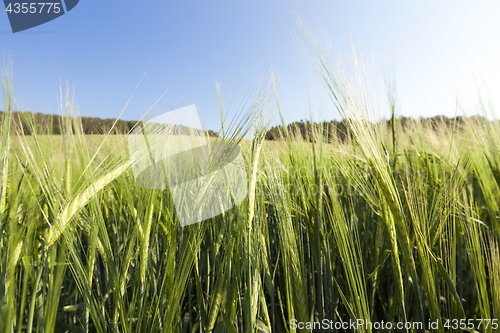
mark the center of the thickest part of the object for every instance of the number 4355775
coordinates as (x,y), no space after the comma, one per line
(41,7)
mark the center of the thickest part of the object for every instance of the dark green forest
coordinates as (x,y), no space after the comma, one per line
(51,124)
(332,130)
(339,130)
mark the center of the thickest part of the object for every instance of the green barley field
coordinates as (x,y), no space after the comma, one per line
(396,223)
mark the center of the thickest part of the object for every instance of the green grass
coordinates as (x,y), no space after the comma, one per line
(394,224)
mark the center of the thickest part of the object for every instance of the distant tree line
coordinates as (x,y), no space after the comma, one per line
(339,130)
(52,124)
(332,130)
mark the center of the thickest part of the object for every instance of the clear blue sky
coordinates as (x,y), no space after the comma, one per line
(103,48)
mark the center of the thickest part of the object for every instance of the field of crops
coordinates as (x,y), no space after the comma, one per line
(399,224)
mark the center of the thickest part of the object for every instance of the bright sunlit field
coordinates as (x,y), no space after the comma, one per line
(394,224)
